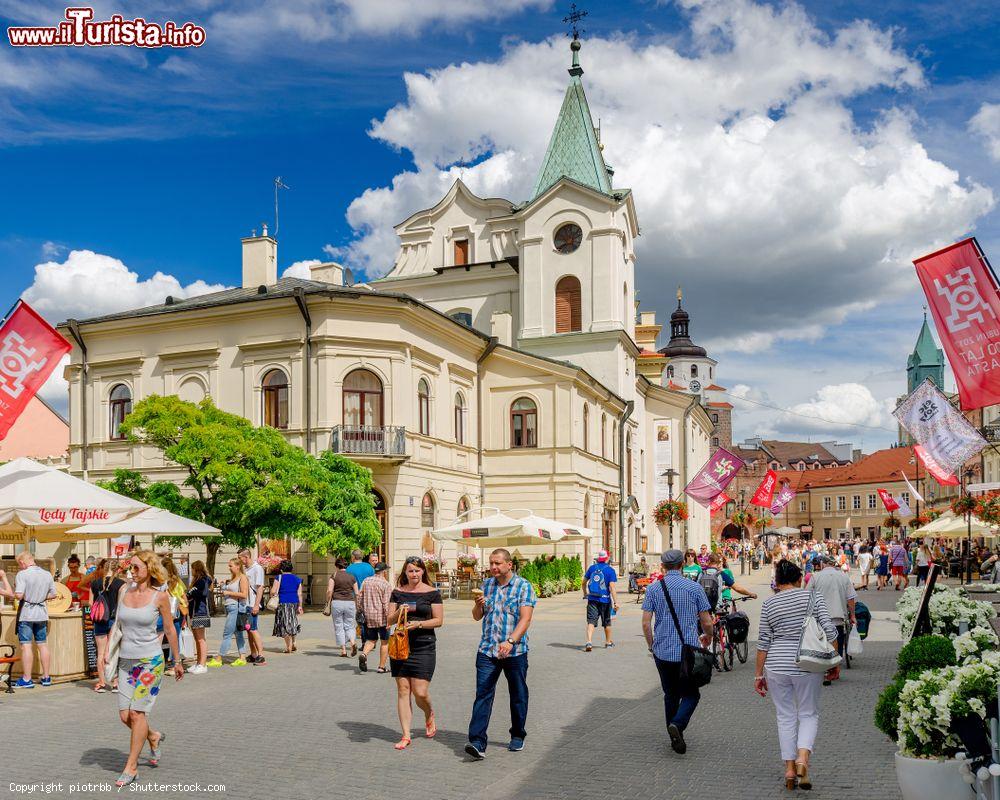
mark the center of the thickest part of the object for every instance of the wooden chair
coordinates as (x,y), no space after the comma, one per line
(13,658)
(446,583)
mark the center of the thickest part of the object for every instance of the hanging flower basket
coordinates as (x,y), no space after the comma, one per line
(963,505)
(988,509)
(668,511)
(765,520)
(743,519)
(921,519)
(892,522)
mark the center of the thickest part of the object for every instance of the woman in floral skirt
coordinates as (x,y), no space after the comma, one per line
(288,589)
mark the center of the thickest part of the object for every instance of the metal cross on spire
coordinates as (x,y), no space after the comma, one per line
(572,19)
(278,184)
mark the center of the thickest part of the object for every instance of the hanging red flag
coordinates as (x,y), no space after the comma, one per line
(962,294)
(764,495)
(934,468)
(720,500)
(887,500)
(30,349)
(716,474)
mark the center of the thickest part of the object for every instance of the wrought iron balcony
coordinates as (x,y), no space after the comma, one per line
(376,441)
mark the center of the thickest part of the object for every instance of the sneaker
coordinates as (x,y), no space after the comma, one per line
(676,739)
(516,745)
(588,647)
(214,662)
(475,752)
(259,661)
(363,662)
(47,680)
(239,662)
(609,644)
(354,649)
(198,669)
(24,684)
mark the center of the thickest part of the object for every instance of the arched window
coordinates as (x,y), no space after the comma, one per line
(710,373)
(362,399)
(586,427)
(670,370)
(694,370)
(191,390)
(614,440)
(463,505)
(427,511)
(459,418)
(121,406)
(424,406)
(568,315)
(604,435)
(462,315)
(523,423)
(275,390)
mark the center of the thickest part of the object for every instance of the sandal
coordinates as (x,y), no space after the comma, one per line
(154,752)
(100,689)
(125,779)
(431,728)
(382,670)
(802,770)
(403,743)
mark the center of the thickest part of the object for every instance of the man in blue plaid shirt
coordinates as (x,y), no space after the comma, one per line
(505,606)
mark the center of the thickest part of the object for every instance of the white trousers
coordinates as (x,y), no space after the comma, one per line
(796,700)
(344,625)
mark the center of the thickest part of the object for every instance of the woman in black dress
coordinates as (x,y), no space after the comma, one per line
(425,611)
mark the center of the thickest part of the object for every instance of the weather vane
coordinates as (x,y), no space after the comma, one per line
(573,18)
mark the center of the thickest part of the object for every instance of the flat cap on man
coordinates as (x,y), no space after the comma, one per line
(672,558)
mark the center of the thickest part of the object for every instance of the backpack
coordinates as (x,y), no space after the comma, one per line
(596,585)
(710,582)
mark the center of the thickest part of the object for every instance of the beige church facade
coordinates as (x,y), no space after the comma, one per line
(494,365)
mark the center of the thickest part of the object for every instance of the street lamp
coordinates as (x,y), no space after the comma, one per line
(670,474)
(967,477)
(743,541)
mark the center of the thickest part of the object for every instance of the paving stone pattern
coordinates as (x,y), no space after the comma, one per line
(308,725)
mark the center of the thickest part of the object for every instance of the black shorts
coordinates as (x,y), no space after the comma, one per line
(599,613)
(374,634)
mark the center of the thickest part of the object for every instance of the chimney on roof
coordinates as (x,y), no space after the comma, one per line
(260,260)
(330,272)
(856,455)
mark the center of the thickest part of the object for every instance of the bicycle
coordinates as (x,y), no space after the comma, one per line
(723,648)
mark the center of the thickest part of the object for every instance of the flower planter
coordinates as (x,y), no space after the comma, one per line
(929,779)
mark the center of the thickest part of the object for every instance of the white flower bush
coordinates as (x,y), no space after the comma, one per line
(971,646)
(949,609)
(927,705)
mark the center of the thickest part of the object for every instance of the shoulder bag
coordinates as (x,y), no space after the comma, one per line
(113,651)
(99,611)
(399,641)
(815,653)
(273,601)
(697,663)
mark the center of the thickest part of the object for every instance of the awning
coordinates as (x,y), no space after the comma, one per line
(152,521)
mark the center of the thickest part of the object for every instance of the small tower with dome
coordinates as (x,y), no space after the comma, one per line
(689,367)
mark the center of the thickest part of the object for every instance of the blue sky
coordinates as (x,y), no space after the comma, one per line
(163,159)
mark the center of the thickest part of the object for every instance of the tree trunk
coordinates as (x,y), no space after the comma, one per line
(211,551)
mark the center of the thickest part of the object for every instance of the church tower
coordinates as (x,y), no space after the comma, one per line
(689,367)
(926,361)
(577,260)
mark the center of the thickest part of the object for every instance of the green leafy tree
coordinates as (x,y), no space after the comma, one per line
(249,481)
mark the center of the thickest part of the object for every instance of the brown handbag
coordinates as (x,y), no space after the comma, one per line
(399,641)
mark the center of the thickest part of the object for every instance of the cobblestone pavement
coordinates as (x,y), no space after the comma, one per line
(308,725)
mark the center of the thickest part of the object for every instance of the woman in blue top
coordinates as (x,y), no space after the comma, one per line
(288,589)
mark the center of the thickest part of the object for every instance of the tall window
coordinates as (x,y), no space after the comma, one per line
(827,503)
(523,423)
(715,441)
(275,391)
(463,505)
(586,511)
(121,407)
(841,503)
(461,252)
(670,370)
(802,506)
(427,511)
(856,502)
(614,441)
(459,418)
(586,427)
(628,461)
(604,434)
(715,419)
(873,501)
(568,315)
(694,370)
(362,399)
(424,407)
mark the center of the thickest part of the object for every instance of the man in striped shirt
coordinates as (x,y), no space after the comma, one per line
(691,606)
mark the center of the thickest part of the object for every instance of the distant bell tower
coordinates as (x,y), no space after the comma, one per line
(926,360)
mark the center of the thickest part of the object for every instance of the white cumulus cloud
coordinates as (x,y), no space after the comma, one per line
(755,185)
(89,284)
(986,123)
(834,408)
(300,269)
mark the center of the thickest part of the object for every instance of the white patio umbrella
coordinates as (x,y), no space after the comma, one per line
(557,530)
(951,525)
(495,530)
(153,521)
(44,503)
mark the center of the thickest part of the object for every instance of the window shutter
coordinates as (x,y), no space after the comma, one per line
(461,252)
(568,317)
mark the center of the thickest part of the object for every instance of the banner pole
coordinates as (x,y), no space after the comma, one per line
(986,262)
(10,311)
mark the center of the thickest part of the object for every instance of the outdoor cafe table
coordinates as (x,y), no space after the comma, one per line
(65,640)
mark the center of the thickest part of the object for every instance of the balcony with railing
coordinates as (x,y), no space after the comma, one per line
(370,441)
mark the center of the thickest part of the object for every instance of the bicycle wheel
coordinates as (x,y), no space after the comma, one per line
(742,651)
(725,648)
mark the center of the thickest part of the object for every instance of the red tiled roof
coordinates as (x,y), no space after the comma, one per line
(720,405)
(672,385)
(715,388)
(793,452)
(644,353)
(882,466)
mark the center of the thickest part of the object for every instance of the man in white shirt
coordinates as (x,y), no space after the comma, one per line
(838,591)
(255,575)
(33,586)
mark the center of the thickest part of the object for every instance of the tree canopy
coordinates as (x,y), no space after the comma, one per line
(249,481)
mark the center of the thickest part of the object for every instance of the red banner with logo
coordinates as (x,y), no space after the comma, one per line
(30,349)
(934,468)
(718,503)
(764,495)
(962,294)
(888,500)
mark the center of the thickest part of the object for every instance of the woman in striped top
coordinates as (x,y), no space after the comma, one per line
(795,693)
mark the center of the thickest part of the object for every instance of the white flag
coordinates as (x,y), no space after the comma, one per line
(904,507)
(938,427)
(913,492)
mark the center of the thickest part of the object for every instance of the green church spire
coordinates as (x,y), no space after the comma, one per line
(926,360)
(574,151)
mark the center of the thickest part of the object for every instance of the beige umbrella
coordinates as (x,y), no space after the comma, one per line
(951,526)
(495,530)
(152,521)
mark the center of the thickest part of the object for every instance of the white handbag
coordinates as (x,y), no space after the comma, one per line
(815,652)
(187,643)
